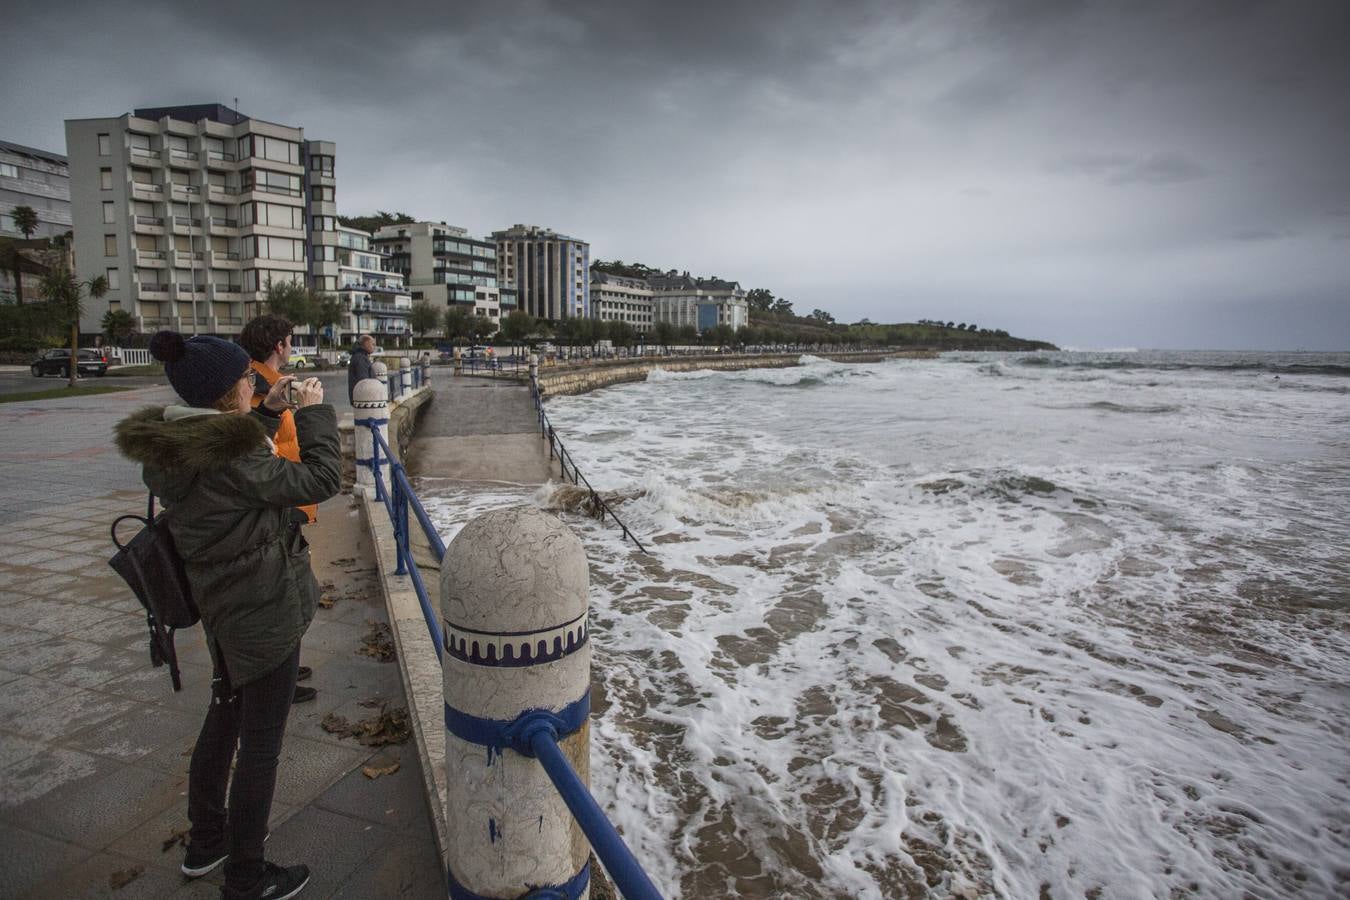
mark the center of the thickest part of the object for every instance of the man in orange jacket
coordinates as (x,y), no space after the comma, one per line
(267,340)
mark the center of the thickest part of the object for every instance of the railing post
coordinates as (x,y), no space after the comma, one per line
(370,410)
(400,522)
(426,369)
(404,377)
(514,611)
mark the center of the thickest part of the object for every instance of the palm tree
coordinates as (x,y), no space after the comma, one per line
(117,324)
(64,291)
(26,220)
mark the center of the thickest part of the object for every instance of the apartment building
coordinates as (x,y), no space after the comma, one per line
(36,179)
(192,211)
(374,299)
(618,298)
(702,303)
(446,267)
(548,271)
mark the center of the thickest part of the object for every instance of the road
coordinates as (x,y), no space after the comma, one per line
(18,380)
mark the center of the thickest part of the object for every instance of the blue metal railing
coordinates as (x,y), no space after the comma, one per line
(538,735)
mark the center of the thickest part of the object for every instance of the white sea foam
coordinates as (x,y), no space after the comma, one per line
(913,631)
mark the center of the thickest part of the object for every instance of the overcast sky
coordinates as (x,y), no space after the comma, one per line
(1130,174)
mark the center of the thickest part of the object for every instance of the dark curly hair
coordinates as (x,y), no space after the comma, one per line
(260,335)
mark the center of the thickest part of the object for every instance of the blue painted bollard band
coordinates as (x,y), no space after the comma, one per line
(574,888)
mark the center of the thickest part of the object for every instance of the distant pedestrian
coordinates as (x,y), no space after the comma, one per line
(267,340)
(229,500)
(361,367)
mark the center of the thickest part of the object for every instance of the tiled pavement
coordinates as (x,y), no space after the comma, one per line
(94,743)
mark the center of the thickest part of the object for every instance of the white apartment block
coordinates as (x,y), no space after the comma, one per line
(375,301)
(549,272)
(191,211)
(444,266)
(617,298)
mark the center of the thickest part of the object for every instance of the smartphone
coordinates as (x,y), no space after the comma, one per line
(293,393)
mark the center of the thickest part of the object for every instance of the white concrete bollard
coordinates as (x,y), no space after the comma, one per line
(404,376)
(534,366)
(370,406)
(380,372)
(514,613)
(426,370)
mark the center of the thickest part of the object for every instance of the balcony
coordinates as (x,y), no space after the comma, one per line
(226,189)
(151,224)
(221,222)
(180,153)
(223,260)
(226,289)
(185,222)
(152,291)
(370,306)
(145,155)
(188,289)
(146,187)
(190,189)
(151,258)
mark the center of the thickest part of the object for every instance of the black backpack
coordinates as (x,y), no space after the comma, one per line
(153,570)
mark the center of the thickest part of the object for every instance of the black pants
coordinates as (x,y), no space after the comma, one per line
(254,718)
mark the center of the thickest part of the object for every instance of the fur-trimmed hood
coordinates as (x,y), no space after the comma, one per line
(190,444)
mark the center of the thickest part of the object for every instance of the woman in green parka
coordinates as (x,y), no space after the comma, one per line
(229,501)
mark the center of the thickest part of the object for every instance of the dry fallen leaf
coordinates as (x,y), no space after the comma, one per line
(374,772)
(178,837)
(123,877)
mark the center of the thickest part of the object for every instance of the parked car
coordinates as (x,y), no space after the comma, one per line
(344,358)
(57,362)
(297,361)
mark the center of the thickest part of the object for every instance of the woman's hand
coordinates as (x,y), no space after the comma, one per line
(278,398)
(308,392)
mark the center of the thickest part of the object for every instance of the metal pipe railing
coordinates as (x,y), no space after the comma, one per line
(556,450)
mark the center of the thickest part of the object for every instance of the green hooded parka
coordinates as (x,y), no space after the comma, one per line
(229,499)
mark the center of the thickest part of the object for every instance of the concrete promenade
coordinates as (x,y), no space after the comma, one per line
(94,743)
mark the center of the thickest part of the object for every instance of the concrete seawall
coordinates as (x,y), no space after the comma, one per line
(579,379)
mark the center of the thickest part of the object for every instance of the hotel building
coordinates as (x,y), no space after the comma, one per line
(191,211)
(702,303)
(618,298)
(549,272)
(37,179)
(444,266)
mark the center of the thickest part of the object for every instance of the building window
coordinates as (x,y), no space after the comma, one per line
(109,212)
(114,282)
(110,245)
(105,145)
(9,171)
(105,179)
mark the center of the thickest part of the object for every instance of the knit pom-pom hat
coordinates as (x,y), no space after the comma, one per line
(201,369)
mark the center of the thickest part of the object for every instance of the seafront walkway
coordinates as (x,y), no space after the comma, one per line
(94,743)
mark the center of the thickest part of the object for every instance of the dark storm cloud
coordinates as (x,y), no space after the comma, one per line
(1045,166)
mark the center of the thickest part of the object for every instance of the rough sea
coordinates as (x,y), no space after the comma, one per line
(1006,625)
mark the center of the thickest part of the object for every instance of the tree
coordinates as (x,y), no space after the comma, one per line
(456,324)
(424,318)
(622,334)
(781,306)
(722,335)
(327,313)
(687,334)
(760,299)
(665,333)
(26,220)
(480,327)
(374,222)
(65,292)
(822,316)
(117,324)
(516,326)
(290,299)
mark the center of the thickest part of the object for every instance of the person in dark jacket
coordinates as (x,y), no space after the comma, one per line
(228,498)
(360,368)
